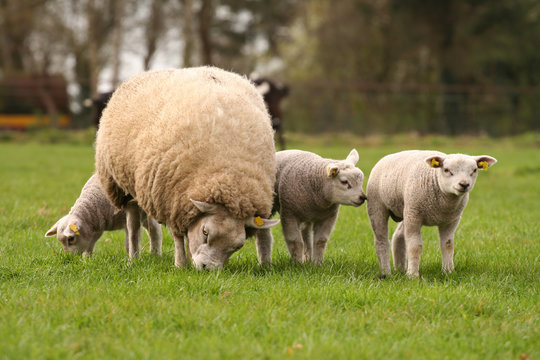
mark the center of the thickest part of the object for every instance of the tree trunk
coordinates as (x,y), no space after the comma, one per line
(206,13)
(187,31)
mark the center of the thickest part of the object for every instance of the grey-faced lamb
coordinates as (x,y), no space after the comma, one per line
(92,215)
(419,188)
(308,193)
(194,149)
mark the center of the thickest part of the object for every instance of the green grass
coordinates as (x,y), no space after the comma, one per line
(57,306)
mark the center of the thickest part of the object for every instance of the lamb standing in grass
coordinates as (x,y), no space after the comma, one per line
(91,215)
(309,190)
(419,188)
(194,148)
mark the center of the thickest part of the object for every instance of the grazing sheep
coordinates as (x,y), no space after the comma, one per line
(91,215)
(309,190)
(419,188)
(194,148)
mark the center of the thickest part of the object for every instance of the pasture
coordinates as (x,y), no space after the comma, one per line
(56,306)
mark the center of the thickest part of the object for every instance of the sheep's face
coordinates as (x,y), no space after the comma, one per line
(457,173)
(347,181)
(216,235)
(74,238)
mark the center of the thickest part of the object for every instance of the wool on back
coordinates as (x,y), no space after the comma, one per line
(201,133)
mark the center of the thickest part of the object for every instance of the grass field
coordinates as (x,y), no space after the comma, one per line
(59,306)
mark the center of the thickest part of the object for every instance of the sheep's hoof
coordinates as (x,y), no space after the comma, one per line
(382,276)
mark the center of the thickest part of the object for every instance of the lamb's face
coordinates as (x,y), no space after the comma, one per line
(458,172)
(347,181)
(73,236)
(216,235)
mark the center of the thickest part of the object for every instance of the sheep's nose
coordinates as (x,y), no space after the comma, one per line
(464,185)
(361,199)
(204,266)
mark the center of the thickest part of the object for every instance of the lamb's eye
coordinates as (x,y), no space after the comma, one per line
(474,171)
(447,171)
(346,183)
(70,240)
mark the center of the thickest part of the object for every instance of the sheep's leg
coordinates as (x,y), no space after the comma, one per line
(413,242)
(153,228)
(399,252)
(133,224)
(180,259)
(307,237)
(446,237)
(322,231)
(264,241)
(293,237)
(126,240)
(378,216)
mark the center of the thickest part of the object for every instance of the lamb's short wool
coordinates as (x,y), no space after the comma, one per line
(309,191)
(194,148)
(92,215)
(419,188)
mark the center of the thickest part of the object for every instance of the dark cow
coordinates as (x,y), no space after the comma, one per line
(98,104)
(272,94)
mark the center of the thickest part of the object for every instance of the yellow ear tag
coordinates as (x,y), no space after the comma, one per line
(258,221)
(74,228)
(434,163)
(332,172)
(483,164)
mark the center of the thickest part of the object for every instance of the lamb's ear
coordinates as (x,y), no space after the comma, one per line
(52,231)
(332,170)
(260,223)
(353,157)
(485,161)
(205,207)
(435,161)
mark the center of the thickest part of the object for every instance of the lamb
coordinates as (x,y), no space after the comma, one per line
(419,188)
(91,215)
(194,149)
(309,190)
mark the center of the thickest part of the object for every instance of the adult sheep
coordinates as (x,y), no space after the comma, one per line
(419,188)
(194,149)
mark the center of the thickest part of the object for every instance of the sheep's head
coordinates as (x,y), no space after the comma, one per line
(458,172)
(74,236)
(216,235)
(347,181)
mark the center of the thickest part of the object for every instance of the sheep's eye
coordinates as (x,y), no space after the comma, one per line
(475,170)
(70,240)
(205,233)
(448,171)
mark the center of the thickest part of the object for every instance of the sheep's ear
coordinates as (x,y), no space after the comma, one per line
(485,161)
(73,228)
(52,231)
(205,207)
(332,170)
(434,161)
(260,223)
(263,88)
(353,157)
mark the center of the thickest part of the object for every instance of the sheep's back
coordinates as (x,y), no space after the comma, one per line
(199,133)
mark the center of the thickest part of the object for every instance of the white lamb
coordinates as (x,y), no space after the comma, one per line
(419,188)
(91,215)
(309,190)
(194,149)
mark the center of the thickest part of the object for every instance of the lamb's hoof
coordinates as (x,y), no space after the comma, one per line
(382,276)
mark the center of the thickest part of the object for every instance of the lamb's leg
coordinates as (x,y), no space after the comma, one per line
(307,237)
(180,259)
(413,242)
(399,252)
(264,241)
(293,237)
(133,224)
(322,231)
(446,236)
(378,217)
(153,228)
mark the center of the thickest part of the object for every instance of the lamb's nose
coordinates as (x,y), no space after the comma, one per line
(362,198)
(204,266)
(464,185)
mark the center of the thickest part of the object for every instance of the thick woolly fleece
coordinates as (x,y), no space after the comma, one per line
(200,133)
